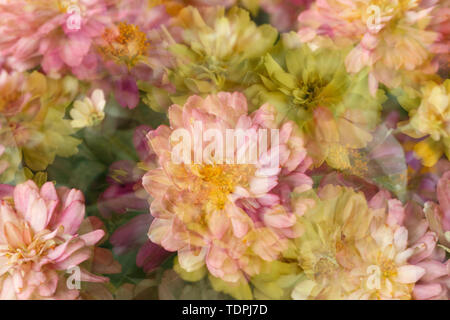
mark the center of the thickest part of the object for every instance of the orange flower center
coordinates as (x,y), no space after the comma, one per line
(128,46)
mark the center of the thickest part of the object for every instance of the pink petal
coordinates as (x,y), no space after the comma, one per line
(74,49)
(36,214)
(74,260)
(72,217)
(24,193)
(48,288)
(13,235)
(92,237)
(426,291)
(409,274)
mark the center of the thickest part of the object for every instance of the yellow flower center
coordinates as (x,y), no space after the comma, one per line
(308,93)
(337,156)
(128,47)
(220,180)
(388,269)
(30,250)
(325,267)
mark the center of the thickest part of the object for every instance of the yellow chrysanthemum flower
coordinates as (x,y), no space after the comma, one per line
(219,51)
(334,109)
(432,119)
(33,127)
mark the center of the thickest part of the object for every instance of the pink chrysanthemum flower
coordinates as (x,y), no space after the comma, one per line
(59,35)
(131,49)
(428,241)
(391,38)
(211,211)
(441,24)
(42,236)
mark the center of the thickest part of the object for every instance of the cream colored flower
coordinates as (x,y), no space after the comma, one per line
(88,112)
(432,119)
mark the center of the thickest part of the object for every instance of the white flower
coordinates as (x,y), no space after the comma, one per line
(88,112)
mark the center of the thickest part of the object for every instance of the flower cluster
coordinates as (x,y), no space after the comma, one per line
(252,149)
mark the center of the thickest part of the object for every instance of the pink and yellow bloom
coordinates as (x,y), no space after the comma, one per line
(354,249)
(42,237)
(391,38)
(211,212)
(426,234)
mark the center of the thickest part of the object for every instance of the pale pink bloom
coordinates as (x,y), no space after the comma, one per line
(415,257)
(43,235)
(212,212)
(56,35)
(391,38)
(139,54)
(423,238)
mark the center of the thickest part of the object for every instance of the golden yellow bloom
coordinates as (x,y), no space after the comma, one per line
(433,116)
(219,51)
(33,125)
(432,119)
